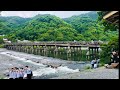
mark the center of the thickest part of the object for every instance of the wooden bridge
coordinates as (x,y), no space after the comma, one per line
(55,47)
(18,46)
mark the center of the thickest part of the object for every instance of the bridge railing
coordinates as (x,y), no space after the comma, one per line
(58,42)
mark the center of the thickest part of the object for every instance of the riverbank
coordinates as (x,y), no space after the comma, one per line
(99,73)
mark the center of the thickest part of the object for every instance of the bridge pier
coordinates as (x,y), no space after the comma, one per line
(56,51)
(34,49)
(40,50)
(11,47)
(94,52)
(68,52)
(8,47)
(37,51)
(14,47)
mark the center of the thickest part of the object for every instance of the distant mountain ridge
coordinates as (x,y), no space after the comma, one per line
(52,28)
(93,15)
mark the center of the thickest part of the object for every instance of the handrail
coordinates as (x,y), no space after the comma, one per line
(59,43)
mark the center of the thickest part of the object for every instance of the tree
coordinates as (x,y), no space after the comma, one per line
(82,27)
(108,48)
(110,30)
(108,26)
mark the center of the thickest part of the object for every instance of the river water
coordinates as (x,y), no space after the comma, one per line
(39,64)
(74,55)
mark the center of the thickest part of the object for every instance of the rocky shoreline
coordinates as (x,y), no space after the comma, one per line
(99,73)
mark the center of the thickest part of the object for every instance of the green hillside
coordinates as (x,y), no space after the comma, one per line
(51,28)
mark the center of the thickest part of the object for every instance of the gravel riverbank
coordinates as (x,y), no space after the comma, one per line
(99,73)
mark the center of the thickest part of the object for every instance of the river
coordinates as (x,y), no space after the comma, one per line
(39,64)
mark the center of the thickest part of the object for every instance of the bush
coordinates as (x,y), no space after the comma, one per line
(101,64)
(108,48)
(87,67)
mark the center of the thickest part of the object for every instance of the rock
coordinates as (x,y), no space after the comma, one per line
(37,62)
(53,65)
(11,59)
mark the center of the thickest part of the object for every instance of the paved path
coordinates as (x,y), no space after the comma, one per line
(99,73)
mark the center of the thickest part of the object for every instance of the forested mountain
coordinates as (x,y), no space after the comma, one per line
(14,21)
(11,24)
(89,26)
(93,15)
(47,28)
(51,28)
(83,22)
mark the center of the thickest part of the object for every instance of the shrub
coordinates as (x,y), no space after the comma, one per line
(108,48)
(87,67)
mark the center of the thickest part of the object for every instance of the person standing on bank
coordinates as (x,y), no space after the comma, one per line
(21,71)
(95,63)
(92,63)
(29,72)
(11,73)
(17,73)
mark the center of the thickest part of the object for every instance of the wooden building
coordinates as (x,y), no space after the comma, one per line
(111,16)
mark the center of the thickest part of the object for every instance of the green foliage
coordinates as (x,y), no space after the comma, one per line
(108,48)
(93,15)
(12,24)
(84,27)
(111,35)
(87,67)
(1,46)
(1,40)
(108,26)
(101,64)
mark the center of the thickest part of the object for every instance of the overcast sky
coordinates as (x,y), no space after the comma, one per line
(61,14)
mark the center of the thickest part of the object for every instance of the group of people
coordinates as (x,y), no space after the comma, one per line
(114,62)
(95,63)
(20,73)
